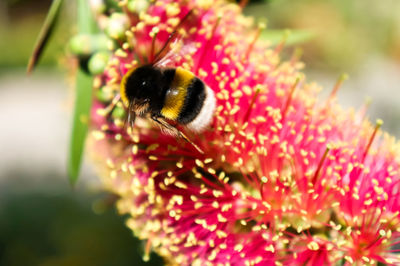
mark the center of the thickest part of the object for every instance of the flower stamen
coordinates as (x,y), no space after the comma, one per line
(280,46)
(321,162)
(338,85)
(297,54)
(154,33)
(251,105)
(260,27)
(378,124)
(285,109)
(203,52)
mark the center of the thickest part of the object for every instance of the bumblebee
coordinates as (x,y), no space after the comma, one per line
(168,95)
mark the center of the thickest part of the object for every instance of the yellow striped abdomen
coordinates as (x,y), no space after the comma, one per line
(176,94)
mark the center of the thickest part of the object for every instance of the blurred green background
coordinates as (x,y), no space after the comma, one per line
(45,222)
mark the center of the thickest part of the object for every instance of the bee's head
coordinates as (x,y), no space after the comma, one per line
(142,87)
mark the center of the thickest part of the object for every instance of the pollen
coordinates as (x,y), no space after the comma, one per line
(313,245)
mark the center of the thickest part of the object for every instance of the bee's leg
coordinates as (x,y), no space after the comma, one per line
(175,130)
(165,126)
(106,112)
(112,105)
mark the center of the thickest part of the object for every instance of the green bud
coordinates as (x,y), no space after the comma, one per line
(137,6)
(98,62)
(117,25)
(118,112)
(104,95)
(101,42)
(113,5)
(98,6)
(87,44)
(81,44)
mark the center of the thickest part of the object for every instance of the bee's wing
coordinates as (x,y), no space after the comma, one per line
(176,54)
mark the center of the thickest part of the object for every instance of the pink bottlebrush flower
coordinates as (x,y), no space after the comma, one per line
(284,179)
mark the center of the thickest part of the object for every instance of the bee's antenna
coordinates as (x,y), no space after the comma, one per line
(173,33)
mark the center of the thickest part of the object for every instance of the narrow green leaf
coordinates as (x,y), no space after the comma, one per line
(86,23)
(293,37)
(44,34)
(83,100)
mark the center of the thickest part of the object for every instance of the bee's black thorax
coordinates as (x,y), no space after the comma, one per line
(147,84)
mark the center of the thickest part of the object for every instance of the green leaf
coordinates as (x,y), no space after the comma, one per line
(86,23)
(44,34)
(83,102)
(293,37)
